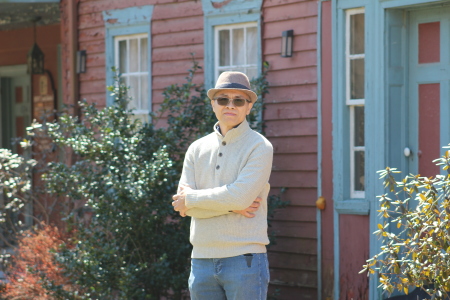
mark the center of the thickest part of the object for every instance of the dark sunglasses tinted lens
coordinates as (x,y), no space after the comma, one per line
(224,101)
(239,102)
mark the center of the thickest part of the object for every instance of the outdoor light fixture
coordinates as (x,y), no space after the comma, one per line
(81,61)
(286,43)
(35,57)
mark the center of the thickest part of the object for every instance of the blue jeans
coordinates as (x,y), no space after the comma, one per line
(243,277)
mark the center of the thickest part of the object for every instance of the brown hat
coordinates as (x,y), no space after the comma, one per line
(233,81)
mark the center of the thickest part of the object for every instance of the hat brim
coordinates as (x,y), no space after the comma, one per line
(252,95)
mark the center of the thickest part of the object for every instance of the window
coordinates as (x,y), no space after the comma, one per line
(236,49)
(132,60)
(355,98)
(128,48)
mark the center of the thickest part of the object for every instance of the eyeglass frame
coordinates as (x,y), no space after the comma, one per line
(231,100)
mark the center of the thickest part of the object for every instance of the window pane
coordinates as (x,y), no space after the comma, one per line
(224,48)
(144,92)
(123,56)
(251,46)
(133,92)
(134,55)
(238,47)
(357,34)
(359,125)
(359,170)
(357,78)
(251,73)
(144,57)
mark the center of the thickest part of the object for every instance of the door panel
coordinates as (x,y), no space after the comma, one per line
(429,128)
(15,109)
(429,78)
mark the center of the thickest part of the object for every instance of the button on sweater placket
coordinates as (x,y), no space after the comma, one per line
(221,154)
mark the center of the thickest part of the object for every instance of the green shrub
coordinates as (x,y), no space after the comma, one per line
(15,195)
(419,254)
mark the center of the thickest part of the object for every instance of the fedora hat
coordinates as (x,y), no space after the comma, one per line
(233,81)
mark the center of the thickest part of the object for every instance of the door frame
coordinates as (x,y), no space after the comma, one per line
(10,72)
(394,36)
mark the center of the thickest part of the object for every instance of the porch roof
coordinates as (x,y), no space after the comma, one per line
(20,14)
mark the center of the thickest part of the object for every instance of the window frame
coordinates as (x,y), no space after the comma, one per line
(233,13)
(124,22)
(217,68)
(346,201)
(127,38)
(352,103)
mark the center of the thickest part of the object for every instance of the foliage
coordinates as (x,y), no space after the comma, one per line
(419,254)
(15,195)
(35,267)
(134,246)
(128,241)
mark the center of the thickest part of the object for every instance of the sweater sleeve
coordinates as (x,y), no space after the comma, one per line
(242,192)
(201,213)
(188,178)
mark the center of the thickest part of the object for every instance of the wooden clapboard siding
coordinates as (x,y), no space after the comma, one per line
(177,31)
(291,120)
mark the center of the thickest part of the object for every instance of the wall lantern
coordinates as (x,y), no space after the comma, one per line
(286,43)
(35,57)
(81,61)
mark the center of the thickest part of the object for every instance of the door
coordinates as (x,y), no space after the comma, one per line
(428,87)
(15,110)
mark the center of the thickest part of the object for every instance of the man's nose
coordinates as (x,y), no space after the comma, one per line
(231,104)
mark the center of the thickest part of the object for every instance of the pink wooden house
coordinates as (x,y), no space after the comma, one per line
(365,87)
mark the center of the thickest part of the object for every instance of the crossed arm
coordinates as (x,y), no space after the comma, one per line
(179,204)
(241,196)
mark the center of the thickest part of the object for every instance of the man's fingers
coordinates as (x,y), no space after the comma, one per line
(255,204)
(249,215)
(258,199)
(251,209)
(174,197)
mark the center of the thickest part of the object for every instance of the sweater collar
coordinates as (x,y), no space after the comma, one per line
(234,133)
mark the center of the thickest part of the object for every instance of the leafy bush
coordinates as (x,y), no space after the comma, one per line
(15,195)
(419,254)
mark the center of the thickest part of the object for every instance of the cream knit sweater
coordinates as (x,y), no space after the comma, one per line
(227,173)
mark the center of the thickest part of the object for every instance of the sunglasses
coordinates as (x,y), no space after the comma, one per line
(224,101)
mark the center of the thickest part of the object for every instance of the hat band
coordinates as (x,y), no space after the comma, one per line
(231,86)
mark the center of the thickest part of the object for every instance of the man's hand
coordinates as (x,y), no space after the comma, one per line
(179,200)
(249,211)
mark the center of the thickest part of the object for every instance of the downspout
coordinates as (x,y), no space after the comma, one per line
(319,148)
(336,243)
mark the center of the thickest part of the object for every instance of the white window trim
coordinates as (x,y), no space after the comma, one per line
(217,28)
(351,103)
(349,57)
(119,38)
(353,193)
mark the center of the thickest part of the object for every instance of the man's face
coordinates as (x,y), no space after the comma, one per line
(231,115)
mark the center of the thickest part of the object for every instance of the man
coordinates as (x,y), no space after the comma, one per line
(224,188)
